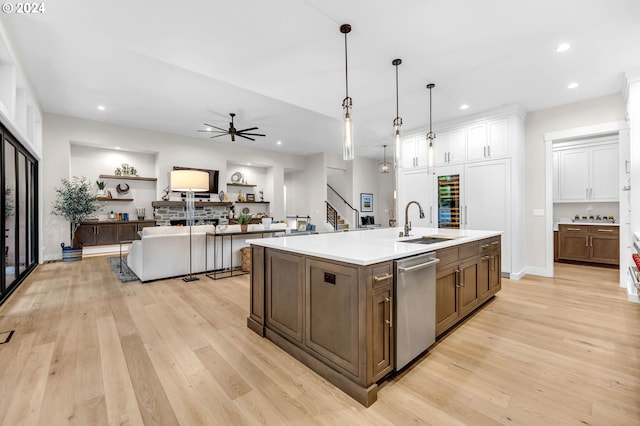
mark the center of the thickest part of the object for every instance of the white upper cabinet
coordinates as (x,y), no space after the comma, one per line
(450,146)
(588,173)
(488,140)
(415,153)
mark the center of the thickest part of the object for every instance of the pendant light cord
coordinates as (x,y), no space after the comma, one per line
(346,67)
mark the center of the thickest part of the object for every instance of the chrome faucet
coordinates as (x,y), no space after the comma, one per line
(407,224)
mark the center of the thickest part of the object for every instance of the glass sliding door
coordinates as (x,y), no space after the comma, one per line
(18,174)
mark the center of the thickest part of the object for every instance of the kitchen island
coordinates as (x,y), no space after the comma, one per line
(329,299)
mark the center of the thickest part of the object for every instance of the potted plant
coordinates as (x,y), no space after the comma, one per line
(76,203)
(101,185)
(244,220)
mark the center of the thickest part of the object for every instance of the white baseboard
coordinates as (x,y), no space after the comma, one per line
(542,272)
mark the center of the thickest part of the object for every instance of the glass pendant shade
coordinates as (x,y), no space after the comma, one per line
(397,123)
(347,130)
(431,136)
(347,117)
(385,166)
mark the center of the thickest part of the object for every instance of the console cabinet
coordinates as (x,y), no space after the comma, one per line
(589,243)
(108,233)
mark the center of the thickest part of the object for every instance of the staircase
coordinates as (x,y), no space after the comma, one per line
(334,219)
(341,225)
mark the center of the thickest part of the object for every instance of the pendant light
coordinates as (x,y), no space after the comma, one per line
(397,122)
(431,136)
(385,166)
(347,123)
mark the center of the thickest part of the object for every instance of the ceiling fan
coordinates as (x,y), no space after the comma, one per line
(244,133)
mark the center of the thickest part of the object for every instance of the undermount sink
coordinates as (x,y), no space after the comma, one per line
(429,239)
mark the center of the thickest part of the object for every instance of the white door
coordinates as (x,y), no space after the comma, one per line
(487,190)
(574,175)
(604,173)
(416,185)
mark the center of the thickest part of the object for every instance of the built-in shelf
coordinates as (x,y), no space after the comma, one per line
(197,204)
(152,179)
(242,184)
(113,199)
(252,202)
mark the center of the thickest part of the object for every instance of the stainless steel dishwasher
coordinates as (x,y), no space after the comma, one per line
(415,289)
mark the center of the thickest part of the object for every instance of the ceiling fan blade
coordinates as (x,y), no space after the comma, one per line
(211,131)
(252,134)
(217,136)
(246,137)
(215,127)
(247,130)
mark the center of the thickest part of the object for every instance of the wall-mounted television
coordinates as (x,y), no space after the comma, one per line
(213,181)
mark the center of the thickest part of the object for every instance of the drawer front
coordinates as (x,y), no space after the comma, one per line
(605,230)
(485,246)
(469,250)
(447,256)
(575,229)
(382,275)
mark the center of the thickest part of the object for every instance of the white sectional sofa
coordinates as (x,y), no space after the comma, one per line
(163,251)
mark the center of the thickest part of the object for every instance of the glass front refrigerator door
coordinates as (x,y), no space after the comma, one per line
(449,201)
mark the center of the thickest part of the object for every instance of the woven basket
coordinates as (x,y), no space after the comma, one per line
(246,259)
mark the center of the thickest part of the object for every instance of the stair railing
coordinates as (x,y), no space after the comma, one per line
(357,213)
(332,216)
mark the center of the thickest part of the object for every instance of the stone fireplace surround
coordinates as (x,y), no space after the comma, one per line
(166,211)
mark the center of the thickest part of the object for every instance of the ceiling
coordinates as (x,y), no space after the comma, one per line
(279,65)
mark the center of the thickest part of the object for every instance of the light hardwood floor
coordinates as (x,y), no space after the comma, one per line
(90,350)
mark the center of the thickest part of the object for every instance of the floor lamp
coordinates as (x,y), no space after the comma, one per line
(189,181)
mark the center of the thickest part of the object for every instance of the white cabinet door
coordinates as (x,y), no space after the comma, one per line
(422,151)
(604,173)
(477,141)
(457,145)
(574,175)
(408,154)
(498,138)
(487,205)
(416,185)
(441,144)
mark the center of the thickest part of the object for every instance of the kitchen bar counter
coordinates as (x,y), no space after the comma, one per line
(330,300)
(370,246)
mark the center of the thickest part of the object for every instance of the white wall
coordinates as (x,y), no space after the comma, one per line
(172,150)
(594,111)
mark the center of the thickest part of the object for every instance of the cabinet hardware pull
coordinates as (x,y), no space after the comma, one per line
(574,229)
(587,195)
(484,246)
(586,242)
(430,214)
(466,208)
(489,150)
(590,241)
(605,230)
(495,243)
(382,278)
(484,151)
(390,320)
(492,267)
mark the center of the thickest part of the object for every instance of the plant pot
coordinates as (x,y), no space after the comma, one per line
(243,228)
(70,253)
(101,192)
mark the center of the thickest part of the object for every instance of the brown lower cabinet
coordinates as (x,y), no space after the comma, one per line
(107,233)
(466,277)
(589,243)
(335,317)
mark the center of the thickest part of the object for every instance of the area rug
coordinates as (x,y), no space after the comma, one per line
(126,274)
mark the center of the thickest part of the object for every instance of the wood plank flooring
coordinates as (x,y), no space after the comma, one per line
(90,350)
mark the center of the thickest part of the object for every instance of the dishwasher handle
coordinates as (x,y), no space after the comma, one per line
(418,266)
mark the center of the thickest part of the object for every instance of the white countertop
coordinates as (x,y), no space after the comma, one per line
(369,246)
(583,222)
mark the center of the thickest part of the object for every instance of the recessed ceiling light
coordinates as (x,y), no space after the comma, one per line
(116,147)
(101,107)
(563,47)
(572,85)
(464,106)
(248,164)
(279,143)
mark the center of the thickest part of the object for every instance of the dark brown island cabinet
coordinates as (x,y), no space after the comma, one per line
(338,318)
